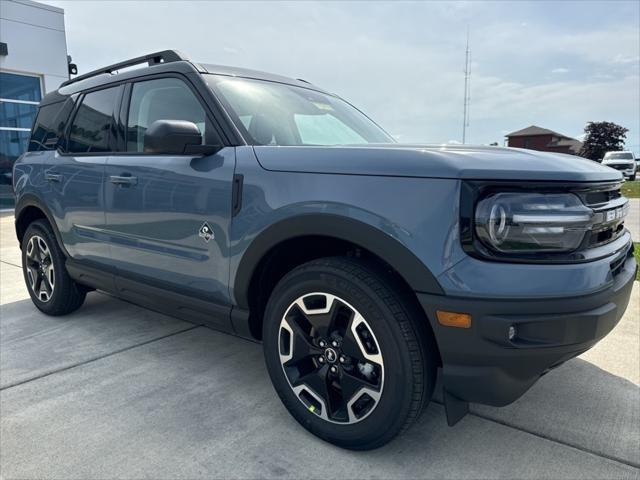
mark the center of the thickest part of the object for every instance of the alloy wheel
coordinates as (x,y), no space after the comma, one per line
(40,269)
(331,358)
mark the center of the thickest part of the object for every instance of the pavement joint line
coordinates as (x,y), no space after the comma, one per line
(9,263)
(628,463)
(100,357)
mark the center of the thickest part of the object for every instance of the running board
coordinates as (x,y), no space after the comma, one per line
(455,408)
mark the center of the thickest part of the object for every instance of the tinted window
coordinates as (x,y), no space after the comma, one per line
(48,129)
(19,87)
(162,99)
(92,125)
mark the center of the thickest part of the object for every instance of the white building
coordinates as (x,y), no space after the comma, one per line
(33,61)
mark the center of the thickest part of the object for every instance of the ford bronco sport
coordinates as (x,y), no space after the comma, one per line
(269,208)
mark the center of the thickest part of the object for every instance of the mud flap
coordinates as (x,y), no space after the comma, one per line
(455,408)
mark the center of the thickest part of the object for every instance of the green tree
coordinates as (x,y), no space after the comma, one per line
(602,137)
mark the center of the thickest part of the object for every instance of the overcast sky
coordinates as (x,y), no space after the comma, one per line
(553,64)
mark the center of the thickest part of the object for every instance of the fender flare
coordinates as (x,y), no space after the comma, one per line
(31,200)
(386,247)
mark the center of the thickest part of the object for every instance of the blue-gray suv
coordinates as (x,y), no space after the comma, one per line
(269,208)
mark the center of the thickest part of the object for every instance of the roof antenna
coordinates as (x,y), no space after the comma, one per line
(467,90)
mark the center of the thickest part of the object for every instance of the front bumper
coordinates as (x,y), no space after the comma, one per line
(481,364)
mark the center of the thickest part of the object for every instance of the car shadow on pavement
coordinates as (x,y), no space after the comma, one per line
(582,405)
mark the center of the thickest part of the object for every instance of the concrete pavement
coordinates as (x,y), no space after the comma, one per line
(116,391)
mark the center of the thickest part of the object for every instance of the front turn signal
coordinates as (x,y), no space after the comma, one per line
(453,319)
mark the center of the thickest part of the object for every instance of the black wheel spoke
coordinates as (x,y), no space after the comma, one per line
(48,288)
(325,386)
(350,347)
(33,275)
(352,384)
(32,263)
(38,285)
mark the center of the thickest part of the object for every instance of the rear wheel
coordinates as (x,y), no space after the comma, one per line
(346,353)
(43,264)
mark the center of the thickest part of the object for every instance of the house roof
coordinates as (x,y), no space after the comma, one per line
(565,142)
(534,130)
(573,144)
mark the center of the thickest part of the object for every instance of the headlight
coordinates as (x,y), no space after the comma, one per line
(532,222)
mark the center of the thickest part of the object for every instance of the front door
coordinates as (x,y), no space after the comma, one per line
(168,215)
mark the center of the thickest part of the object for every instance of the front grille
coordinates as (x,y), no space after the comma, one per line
(611,209)
(619,166)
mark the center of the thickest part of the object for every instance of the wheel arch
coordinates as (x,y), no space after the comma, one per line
(30,208)
(302,238)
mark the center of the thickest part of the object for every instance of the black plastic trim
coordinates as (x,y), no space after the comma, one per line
(236,197)
(161,299)
(30,200)
(390,250)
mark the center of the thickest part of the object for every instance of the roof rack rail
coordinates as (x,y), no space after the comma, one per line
(166,56)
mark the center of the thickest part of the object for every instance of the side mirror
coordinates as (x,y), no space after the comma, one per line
(175,137)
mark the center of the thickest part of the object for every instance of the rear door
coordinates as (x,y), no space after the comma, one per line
(168,215)
(75,176)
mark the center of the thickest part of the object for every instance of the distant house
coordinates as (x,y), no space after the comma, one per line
(545,140)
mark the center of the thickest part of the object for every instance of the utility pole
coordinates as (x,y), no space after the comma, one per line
(467,90)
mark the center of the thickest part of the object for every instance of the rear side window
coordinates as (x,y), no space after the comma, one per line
(161,99)
(92,127)
(48,130)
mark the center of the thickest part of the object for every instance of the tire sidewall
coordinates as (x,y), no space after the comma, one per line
(390,413)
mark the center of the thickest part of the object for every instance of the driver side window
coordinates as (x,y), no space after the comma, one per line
(161,99)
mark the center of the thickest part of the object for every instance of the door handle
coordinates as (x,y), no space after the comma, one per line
(52,177)
(123,180)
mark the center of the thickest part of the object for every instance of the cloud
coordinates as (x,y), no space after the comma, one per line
(402,63)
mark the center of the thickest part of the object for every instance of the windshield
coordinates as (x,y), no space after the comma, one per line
(618,156)
(270,113)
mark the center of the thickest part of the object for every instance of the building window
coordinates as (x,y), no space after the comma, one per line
(19,98)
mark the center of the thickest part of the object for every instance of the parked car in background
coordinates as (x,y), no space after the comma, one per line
(624,162)
(266,207)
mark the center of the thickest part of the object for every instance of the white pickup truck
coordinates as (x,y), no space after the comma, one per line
(621,161)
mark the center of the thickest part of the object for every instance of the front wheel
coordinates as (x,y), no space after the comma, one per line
(347,354)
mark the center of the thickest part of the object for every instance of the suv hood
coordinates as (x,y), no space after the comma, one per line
(441,161)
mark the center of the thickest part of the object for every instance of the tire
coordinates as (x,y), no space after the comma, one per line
(43,265)
(385,352)
(632,178)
